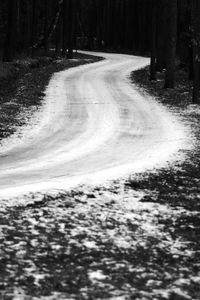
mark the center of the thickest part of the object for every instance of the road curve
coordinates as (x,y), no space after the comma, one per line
(94,125)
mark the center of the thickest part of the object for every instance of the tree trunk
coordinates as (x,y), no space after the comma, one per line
(171,44)
(58,37)
(33,29)
(161,35)
(196,50)
(46,27)
(153,41)
(25,27)
(64,33)
(107,23)
(99,29)
(10,42)
(71,5)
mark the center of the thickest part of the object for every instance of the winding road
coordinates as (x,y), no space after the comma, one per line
(94,125)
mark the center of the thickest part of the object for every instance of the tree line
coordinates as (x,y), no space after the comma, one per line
(175,36)
(167,30)
(30,25)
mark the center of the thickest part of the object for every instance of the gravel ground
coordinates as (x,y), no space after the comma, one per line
(130,239)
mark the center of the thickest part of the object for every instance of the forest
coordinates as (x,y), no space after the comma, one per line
(100,149)
(168,31)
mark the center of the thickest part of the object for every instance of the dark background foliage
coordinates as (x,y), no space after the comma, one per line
(168,30)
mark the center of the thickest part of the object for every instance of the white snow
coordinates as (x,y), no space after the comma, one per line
(193,109)
(94,126)
(90,244)
(97,275)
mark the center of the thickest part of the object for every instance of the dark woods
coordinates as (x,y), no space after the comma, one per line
(175,41)
(168,30)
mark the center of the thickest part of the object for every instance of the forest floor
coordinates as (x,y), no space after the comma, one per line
(137,238)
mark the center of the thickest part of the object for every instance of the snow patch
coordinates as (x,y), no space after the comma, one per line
(96,275)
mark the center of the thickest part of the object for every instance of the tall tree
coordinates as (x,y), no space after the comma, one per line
(58,35)
(161,35)
(196,49)
(64,27)
(46,26)
(10,40)
(171,43)
(33,27)
(71,10)
(99,28)
(153,39)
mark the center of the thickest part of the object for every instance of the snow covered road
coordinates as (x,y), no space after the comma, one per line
(94,126)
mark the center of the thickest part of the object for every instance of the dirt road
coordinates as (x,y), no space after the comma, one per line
(94,126)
